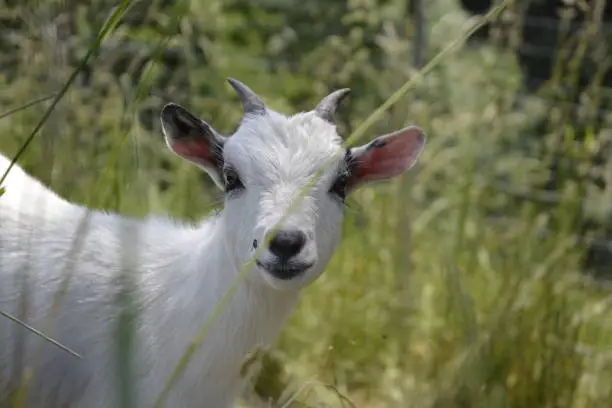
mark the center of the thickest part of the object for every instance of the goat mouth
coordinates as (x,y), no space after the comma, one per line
(284,270)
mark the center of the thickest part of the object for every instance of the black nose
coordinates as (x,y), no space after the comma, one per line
(287,243)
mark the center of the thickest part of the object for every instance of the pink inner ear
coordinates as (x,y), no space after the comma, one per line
(194,149)
(396,153)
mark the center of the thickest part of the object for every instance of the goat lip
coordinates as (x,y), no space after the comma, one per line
(285,270)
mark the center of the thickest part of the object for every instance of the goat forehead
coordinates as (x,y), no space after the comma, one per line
(277,148)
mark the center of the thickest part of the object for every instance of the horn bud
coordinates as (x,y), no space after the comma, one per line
(251,102)
(327,107)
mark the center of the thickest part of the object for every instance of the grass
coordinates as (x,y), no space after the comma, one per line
(428,302)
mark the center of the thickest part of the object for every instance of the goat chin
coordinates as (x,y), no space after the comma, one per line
(177,274)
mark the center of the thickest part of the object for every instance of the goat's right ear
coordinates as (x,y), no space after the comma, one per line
(193,139)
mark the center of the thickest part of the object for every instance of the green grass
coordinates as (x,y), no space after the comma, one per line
(428,302)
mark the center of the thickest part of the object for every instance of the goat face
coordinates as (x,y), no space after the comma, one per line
(285,180)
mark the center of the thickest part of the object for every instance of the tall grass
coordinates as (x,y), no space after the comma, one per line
(433,299)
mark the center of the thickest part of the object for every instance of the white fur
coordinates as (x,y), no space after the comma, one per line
(179,271)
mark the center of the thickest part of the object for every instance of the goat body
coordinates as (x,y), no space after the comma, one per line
(81,276)
(179,273)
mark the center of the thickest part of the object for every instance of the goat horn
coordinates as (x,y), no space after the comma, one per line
(327,107)
(251,103)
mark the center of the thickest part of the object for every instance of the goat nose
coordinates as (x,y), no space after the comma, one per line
(287,243)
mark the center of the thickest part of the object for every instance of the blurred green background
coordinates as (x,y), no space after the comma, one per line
(479,279)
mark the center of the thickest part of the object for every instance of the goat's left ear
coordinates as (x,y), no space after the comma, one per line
(387,156)
(193,139)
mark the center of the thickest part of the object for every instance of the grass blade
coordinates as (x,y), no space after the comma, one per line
(106,30)
(25,106)
(41,334)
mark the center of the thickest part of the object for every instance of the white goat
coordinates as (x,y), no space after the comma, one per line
(180,272)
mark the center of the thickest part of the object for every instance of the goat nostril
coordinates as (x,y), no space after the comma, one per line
(287,243)
(255,244)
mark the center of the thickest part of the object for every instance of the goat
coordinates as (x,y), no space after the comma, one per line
(180,271)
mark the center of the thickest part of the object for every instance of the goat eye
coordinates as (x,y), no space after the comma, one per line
(340,186)
(232,181)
